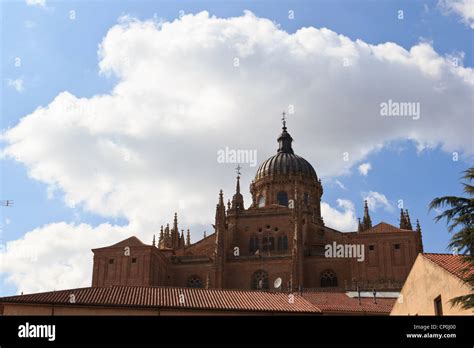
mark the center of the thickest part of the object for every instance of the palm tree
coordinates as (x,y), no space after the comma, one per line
(460,221)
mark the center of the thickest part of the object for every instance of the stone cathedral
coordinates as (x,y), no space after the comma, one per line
(277,242)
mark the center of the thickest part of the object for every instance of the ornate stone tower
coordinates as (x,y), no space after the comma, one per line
(277,176)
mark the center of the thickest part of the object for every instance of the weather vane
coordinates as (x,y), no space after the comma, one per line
(238,169)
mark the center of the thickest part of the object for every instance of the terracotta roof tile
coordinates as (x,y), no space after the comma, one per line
(213,299)
(454,264)
(131,241)
(384,227)
(172,297)
(340,302)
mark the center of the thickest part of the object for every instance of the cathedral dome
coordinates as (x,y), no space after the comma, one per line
(285,161)
(286,164)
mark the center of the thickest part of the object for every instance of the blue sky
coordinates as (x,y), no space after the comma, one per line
(60,54)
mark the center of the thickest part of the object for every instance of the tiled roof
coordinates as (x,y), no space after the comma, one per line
(384,227)
(313,302)
(172,297)
(340,302)
(131,241)
(203,247)
(454,264)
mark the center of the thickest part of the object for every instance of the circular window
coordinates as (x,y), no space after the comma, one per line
(194,282)
(328,279)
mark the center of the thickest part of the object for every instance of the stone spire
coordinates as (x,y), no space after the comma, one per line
(221,198)
(237,187)
(420,241)
(153,243)
(220,210)
(188,238)
(360,228)
(175,232)
(175,222)
(181,239)
(167,236)
(403,220)
(161,238)
(238,199)
(418,227)
(408,222)
(366,221)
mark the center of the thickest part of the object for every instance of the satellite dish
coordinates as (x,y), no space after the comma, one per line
(277,283)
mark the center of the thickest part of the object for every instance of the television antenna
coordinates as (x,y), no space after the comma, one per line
(6,203)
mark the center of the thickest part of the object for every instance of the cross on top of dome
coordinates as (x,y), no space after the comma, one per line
(237,170)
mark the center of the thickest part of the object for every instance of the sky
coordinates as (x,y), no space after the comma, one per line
(113,112)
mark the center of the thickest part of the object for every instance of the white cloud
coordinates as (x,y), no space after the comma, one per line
(376,200)
(344,220)
(57,256)
(41,3)
(148,148)
(17,84)
(364,168)
(463,8)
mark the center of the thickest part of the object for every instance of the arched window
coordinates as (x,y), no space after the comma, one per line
(328,279)
(306,198)
(260,280)
(194,282)
(282,198)
(271,243)
(265,244)
(268,243)
(261,201)
(253,244)
(282,243)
